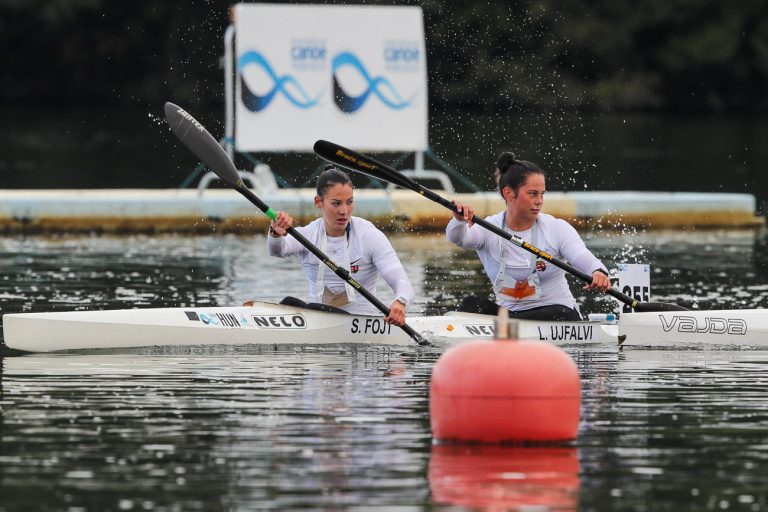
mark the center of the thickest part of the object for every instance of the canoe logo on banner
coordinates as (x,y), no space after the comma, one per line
(378,86)
(286,85)
(280,321)
(708,325)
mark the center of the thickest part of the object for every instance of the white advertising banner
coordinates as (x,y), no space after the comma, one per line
(354,75)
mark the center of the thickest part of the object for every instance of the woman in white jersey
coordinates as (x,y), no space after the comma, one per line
(530,288)
(351,242)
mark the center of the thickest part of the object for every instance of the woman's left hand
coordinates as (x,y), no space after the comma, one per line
(600,282)
(396,314)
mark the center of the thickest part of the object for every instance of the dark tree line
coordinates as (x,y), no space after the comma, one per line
(664,55)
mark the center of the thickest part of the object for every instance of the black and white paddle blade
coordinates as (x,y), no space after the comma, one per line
(354,161)
(193,135)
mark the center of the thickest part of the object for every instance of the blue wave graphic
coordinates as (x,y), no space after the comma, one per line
(348,104)
(287,85)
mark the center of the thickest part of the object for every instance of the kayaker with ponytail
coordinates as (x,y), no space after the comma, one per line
(351,242)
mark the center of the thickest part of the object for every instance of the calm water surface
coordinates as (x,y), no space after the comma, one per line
(340,428)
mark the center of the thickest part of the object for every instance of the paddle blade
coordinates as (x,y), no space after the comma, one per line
(201,143)
(354,161)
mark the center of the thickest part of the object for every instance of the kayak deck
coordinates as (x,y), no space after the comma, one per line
(266,323)
(737,327)
(263,323)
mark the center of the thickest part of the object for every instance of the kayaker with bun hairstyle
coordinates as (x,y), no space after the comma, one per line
(530,288)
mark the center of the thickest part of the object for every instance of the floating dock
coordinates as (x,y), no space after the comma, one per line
(226,211)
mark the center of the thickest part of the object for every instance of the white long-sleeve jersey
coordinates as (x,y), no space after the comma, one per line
(370,256)
(555,236)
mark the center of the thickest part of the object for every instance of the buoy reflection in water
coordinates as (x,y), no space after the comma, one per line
(505,477)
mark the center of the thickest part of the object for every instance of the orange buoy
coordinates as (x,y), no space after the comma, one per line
(496,391)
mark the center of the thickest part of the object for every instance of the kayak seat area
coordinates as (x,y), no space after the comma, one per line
(293,301)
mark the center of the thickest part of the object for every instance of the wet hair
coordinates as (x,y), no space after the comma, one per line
(330,176)
(512,173)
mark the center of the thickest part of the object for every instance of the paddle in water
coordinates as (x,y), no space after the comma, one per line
(202,144)
(354,161)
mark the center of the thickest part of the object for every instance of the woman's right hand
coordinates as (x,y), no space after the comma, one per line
(464,213)
(280,225)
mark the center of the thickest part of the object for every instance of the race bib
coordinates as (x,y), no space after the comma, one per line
(517,290)
(335,299)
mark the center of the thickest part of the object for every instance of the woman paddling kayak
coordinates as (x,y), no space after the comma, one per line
(351,242)
(529,287)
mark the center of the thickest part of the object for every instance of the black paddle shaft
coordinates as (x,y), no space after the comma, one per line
(360,163)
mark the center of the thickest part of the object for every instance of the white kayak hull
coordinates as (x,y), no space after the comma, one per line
(742,327)
(262,323)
